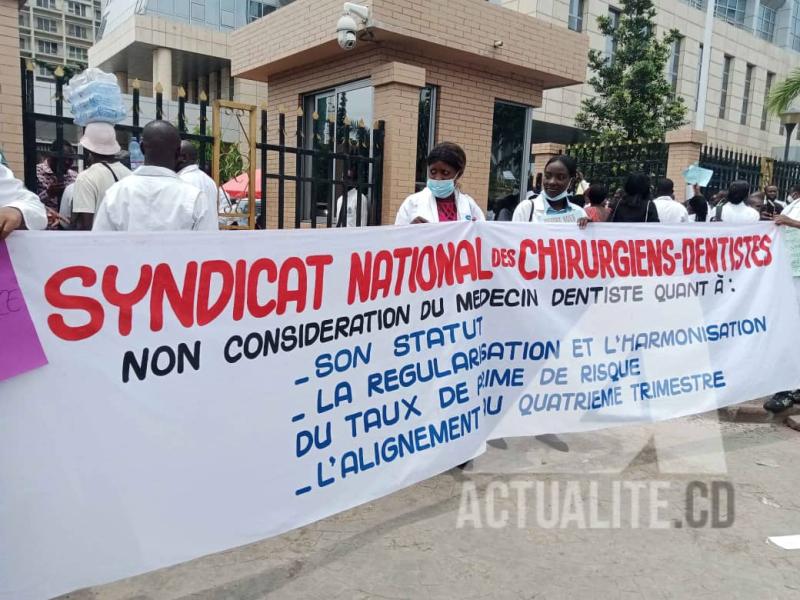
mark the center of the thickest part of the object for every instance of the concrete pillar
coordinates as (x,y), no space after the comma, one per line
(685,146)
(213,86)
(162,71)
(542,153)
(397,87)
(202,86)
(751,15)
(122,81)
(11,88)
(783,24)
(191,91)
(225,83)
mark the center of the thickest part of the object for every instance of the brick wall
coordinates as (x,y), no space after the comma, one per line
(453,30)
(464,115)
(10,87)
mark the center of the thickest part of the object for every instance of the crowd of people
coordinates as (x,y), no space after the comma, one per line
(170,192)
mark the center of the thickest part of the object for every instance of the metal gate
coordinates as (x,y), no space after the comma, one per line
(358,169)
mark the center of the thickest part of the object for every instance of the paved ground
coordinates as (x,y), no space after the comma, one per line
(408,546)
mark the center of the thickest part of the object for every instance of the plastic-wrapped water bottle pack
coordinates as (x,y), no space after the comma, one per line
(94,97)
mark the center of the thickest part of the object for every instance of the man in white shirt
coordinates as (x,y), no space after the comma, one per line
(735,209)
(350,219)
(669,209)
(100,141)
(154,198)
(19,208)
(190,172)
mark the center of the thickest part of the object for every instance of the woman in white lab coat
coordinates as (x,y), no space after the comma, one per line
(441,200)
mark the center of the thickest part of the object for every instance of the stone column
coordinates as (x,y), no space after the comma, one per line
(541,154)
(685,146)
(397,87)
(122,81)
(11,88)
(225,83)
(213,86)
(162,71)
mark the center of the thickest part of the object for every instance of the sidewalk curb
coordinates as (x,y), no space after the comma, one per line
(753,412)
(794,422)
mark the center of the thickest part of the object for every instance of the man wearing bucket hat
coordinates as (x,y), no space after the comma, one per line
(100,142)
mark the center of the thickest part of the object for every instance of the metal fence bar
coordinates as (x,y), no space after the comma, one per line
(203,131)
(298,168)
(29,125)
(281,168)
(356,162)
(610,165)
(262,216)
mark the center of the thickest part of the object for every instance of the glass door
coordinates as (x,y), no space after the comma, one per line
(337,121)
(510,158)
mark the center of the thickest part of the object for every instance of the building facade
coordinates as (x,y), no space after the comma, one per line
(475,80)
(58,32)
(177,43)
(755,44)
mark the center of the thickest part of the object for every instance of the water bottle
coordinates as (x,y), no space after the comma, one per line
(135,151)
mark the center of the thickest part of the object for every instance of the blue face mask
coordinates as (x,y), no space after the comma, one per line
(562,196)
(443,188)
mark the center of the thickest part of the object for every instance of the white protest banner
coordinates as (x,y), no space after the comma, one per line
(206,391)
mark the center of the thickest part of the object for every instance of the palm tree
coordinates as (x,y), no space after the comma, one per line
(785,93)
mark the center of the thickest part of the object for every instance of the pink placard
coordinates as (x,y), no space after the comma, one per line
(20,348)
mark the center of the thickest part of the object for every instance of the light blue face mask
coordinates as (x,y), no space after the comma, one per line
(562,196)
(442,188)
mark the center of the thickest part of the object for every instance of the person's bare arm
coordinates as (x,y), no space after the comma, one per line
(10,219)
(787,221)
(83,221)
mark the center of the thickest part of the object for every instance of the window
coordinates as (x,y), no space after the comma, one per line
(748,86)
(425,132)
(726,81)
(675,65)
(765,25)
(43,72)
(76,8)
(77,31)
(767,90)
(49,25)
(699,4)
(198,12)
(47,47)
(24,19)
(46,4)
(256,10)
(731,11)
(699,71)
(611,44)
(77,53)
(575,15)
(24,43)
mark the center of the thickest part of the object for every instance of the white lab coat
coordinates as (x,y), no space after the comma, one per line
(14,195)
(154,199)
(192,175)
(352,209)
(423,204)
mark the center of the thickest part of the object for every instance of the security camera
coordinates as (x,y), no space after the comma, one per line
(347,27)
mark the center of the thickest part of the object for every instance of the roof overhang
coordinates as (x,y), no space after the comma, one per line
(470,32)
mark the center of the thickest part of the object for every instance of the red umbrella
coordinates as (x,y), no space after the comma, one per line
(237,187)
